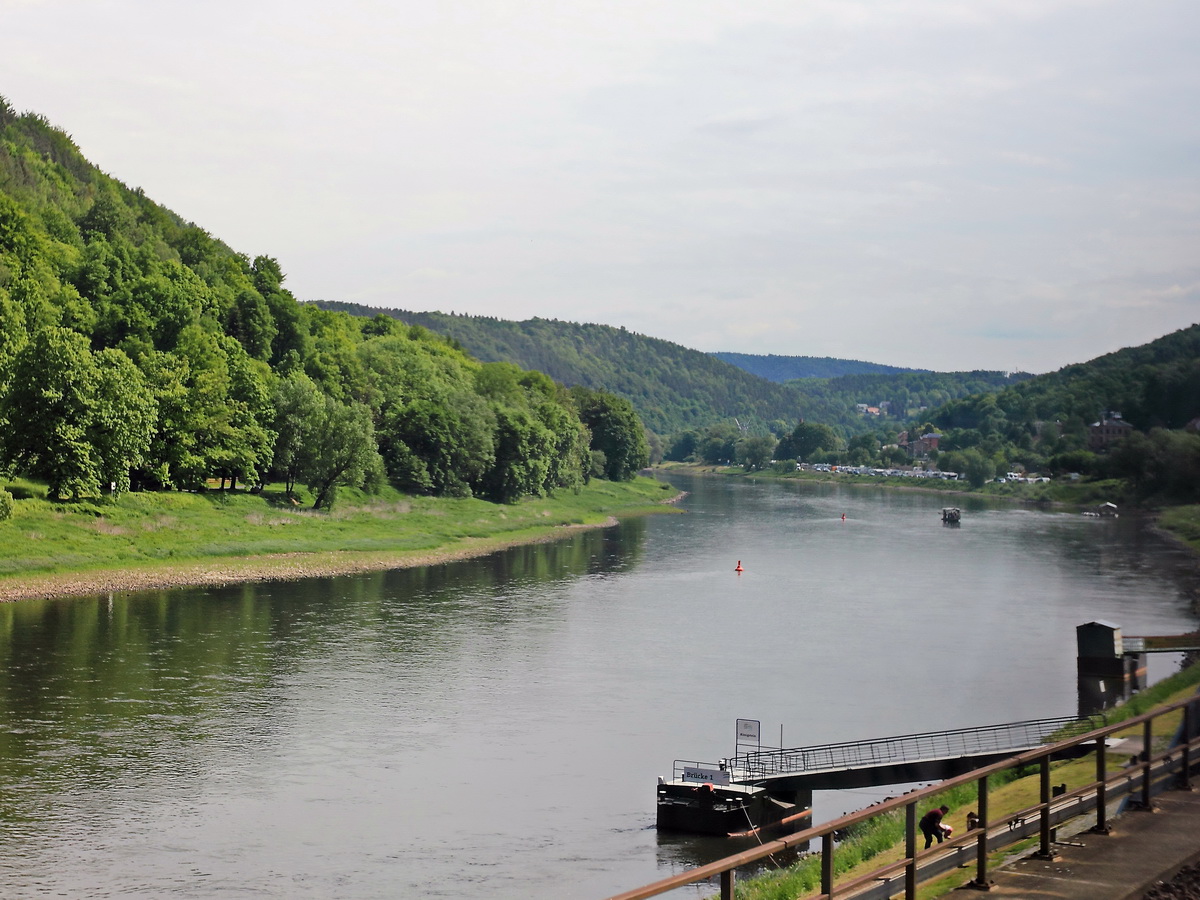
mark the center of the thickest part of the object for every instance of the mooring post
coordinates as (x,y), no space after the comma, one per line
(1101,826)
(981,882)
(910,851)
(1146,745)
(827,864)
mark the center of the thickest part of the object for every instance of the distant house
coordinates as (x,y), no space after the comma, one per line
(1110,429)
(918,448)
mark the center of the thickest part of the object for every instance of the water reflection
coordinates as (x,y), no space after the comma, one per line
(92,689)
(496,726)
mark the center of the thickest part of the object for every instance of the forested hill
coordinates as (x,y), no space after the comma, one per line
(136,349)
(788,368)
(670,386)
(674,388)
(1041,424)
(1155,385)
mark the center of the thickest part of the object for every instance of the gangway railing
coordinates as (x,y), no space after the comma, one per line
(1151,771)
(907,748)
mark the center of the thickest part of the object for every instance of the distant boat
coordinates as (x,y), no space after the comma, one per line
(951,515)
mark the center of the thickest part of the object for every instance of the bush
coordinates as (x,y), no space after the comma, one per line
(6,505)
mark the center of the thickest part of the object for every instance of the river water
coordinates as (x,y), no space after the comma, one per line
(494,728)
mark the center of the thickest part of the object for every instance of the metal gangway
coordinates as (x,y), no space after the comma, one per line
(985,741)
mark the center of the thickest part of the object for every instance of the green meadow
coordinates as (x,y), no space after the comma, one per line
(153,529)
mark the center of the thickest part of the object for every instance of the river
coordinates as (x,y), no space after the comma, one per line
(494,728)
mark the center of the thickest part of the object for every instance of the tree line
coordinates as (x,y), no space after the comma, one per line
(136,350)
(1027,424)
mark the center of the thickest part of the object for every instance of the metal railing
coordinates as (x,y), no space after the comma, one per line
(1149,773)
(981,741)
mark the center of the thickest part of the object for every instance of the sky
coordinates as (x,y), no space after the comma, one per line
(990,184)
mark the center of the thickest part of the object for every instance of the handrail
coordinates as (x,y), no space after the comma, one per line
(1179,760)
(959,742)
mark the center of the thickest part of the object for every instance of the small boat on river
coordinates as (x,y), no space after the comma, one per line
(951,515)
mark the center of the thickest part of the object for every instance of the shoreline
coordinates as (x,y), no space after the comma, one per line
(223,571)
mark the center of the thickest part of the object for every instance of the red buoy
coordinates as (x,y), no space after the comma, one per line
(738,567)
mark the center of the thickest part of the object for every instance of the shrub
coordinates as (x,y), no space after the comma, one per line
(6,505)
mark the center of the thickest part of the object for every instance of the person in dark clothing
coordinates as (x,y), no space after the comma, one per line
(931,825)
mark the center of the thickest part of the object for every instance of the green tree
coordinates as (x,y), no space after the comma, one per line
(342,451)
(48,410)
(718,444)
(570,458)
(979,468)
(683,446)
(806,439)
(616,431)
(77,419)
(523,448)
(755,453)
(251,322)
(299,407)
(450,444)
(122,418)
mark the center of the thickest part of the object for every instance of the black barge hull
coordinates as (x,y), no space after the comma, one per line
(727,811)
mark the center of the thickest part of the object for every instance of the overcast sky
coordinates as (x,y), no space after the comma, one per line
(1000,184)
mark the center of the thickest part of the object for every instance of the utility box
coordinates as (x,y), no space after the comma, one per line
(1099,640)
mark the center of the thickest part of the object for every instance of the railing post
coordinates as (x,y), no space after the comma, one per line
(727,885)
(1101,826)
(1045,851)
(827,864)
(981,882)
(1184,781)
(910,851)
(1146,747)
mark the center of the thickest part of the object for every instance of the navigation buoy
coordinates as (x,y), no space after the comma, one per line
(843,517)
(738,567)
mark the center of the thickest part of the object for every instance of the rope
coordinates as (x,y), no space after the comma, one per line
(754,829)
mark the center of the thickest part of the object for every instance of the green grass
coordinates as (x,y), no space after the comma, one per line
(45,537)
(1184,523)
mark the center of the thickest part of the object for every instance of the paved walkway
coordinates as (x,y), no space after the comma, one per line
(1143,849)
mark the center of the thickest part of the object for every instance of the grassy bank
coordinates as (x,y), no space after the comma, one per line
(159,539)
(1184,523)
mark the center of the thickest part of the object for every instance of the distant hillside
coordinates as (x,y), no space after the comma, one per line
(1154,385)
(895,396)
(788,368)
(670,386)
(674,388)
(1042,424)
